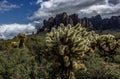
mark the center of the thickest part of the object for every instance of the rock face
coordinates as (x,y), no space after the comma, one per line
(54,22)
(103,24)
(95,22)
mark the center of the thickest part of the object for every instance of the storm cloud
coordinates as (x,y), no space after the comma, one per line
(84,8)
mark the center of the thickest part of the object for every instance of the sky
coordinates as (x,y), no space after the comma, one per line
(17,11)
(21,16)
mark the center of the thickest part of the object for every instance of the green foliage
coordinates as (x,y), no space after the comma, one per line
(36,44)
(17,42)
(17,64)
(5,44)
(2,45)
(97,68)
(68,52)
(66,46)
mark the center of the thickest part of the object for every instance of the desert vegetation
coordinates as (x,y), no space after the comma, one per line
(65,52)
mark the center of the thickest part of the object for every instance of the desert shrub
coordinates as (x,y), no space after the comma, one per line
(2,45)
(18,64)
(97,68)
(36,44)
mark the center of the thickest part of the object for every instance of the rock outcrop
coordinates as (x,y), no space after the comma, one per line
(94,23)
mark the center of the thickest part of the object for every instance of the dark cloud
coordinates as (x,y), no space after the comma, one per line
(81,7)
(77,6)
(115,2)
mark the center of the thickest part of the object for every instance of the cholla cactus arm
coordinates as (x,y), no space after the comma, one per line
(67,45)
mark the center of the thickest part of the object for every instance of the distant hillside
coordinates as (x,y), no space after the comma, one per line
(94,23)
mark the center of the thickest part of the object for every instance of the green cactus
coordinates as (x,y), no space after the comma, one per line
(107,44)
(22,40)
(67,45)
(15,44)
(118,42)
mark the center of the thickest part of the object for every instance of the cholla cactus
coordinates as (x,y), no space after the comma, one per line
(22,40)
(107,43)
(15,44)
(67,45)
(118,42)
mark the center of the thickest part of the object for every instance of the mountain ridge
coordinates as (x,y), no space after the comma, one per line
(93,23)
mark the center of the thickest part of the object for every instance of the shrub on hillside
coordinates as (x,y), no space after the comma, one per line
(18,64)
(97,68)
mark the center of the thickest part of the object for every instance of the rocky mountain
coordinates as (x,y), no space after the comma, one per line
(107,23)
(95,22)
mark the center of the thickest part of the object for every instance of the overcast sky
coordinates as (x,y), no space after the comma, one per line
(82,7)
(20,15)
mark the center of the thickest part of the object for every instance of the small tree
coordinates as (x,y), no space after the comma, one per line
(66,46)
